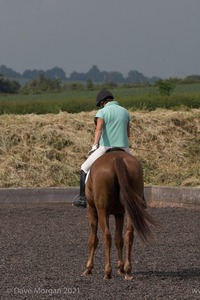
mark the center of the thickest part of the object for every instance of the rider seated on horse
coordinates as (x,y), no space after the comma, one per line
(112,130)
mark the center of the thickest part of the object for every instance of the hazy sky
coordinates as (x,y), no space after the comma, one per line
(154,37)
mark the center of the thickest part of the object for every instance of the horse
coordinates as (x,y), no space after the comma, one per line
(115,187)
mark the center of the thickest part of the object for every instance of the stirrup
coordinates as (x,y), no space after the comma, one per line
(81,202)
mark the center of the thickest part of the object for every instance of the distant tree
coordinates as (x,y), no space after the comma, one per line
(9,86)
(113,77)
(192,79)
(32,74)
(136,77)
(42,84)
(94,74)
(90,85)
(27,74)
(8,72)
(75,76)
(165,86)
(55,73)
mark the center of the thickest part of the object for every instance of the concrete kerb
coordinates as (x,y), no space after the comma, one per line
(36,196)
(162,196)
(156,196)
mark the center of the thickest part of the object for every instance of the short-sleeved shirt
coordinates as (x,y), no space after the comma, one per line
(116,119)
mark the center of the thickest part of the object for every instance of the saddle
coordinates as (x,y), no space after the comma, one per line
(115,149)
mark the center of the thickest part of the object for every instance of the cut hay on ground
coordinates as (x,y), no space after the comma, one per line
(47,150)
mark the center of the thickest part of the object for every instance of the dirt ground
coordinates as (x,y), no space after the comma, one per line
(44,251)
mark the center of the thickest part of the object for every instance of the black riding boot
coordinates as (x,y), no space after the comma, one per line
(81,201)
(144,202)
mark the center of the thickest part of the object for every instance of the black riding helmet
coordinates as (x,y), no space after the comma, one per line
(103,95)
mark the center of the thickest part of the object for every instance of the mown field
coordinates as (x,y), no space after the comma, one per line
(46,150)
(75,101)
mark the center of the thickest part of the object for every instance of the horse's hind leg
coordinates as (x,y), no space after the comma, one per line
(104,223)
(119,242)
(93,240)
(129,235)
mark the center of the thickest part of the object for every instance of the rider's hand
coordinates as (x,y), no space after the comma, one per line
(94,148)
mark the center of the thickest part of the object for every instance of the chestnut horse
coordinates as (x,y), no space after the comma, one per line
(115,187)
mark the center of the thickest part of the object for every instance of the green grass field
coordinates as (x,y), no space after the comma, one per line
(134,98)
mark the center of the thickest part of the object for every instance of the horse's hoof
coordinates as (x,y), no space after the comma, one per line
(87,273)
(128,277)
(107,276)
(121,272)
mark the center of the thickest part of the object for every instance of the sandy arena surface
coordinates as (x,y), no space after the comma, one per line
(44,251)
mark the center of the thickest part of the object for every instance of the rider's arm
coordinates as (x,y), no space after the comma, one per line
(128,129)
(98,130)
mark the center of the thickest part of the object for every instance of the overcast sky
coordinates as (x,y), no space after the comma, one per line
(154,37)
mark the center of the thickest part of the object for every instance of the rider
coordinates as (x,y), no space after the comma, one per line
(112,130)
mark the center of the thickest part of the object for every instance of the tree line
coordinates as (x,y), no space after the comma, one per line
(94,74)
(55,80)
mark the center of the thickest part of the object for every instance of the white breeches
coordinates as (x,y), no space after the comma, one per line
(96,154)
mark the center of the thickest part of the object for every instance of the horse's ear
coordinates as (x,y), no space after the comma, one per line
(95,121)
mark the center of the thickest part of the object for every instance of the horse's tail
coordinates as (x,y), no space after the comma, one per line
(132,203)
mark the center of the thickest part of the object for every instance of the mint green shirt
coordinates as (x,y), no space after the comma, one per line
(116,119)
